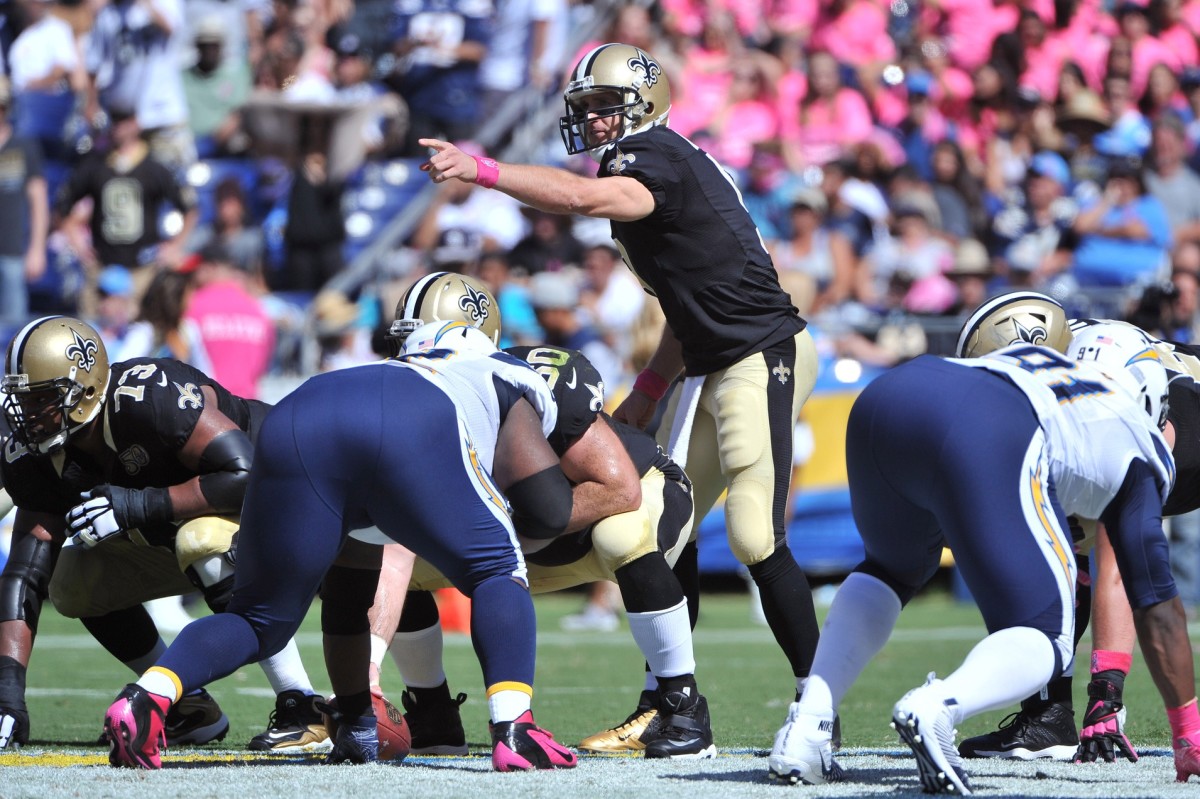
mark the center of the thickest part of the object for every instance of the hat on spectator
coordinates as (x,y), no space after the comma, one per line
(919,83)
(1190,78)
(210,30)
(115,281)
(553,291)
(349,44)
(970,259)
(1084,112)
(810,197)
(1049,164)
(334,312)
(1130,6)
(917,203)
(456,246)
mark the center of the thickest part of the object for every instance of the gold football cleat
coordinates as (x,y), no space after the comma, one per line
(642,727)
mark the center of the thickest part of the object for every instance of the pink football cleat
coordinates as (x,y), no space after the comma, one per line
(135,725)
(522,745)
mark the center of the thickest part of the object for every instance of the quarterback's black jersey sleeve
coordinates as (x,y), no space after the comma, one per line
(700,253)
(1183,413)
(576,385)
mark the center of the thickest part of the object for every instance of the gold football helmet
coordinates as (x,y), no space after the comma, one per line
(1021,317)
(55,378)
(629,72)
(446,297)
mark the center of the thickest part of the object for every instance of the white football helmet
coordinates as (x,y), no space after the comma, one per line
(446,297)
(55,379)
(453,336)
(1020,317)
(1127,355)
(633,75)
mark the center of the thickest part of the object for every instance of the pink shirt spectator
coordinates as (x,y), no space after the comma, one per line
(749,122)
(968,27)
(1191,15)
(706,76)
(858,36)
(237,333)
(1182,42)
(824,129)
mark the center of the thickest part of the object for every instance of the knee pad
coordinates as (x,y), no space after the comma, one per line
(202,538)
(743,430)
(621,539)
(25,583)
(748,522)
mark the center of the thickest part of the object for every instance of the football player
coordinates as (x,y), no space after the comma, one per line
(1077,434)
(1044,726)
(680,224)
(416,450)
(128,480)
(632,517)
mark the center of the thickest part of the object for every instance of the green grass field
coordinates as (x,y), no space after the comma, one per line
(587,681)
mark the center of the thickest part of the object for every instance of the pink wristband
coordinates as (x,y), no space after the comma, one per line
(1107,660)
(652,384)
(487,171)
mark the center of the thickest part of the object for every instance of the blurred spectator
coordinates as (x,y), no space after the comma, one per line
(1183,319)
(230,228)
(160,330)
(526,49)
(520,324)
(1147,49)
(767,187)
(235,330)
(1082,119)
(457,250)
(24,217)
(114,307)
(746,118)
(550,245)
(555,299)
(856,208)
(1168,22)
(1124,235)
(1032,232)
(854,32)
(48,77)
(611,296)
(958,193)
(906,270)
(495,216)
(216,87)
(127,189)
(1170,180)
(134,54)
(439,45)
(816,264)
(1130,131)
(1162,96)
(830,116)
(922,126)
(315,230)
(343,338)
(972,273)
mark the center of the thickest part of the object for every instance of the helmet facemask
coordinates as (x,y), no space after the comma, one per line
(39,414)
(573,127)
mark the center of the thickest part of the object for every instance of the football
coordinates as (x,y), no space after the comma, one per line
(395,739)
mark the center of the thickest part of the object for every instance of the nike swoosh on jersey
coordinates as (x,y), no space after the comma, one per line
(574,381)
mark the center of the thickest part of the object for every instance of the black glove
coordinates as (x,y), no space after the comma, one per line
(14,727)
(1102,736)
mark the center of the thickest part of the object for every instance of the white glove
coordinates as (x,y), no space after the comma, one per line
(93,520)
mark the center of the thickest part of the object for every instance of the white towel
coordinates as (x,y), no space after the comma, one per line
(685,414)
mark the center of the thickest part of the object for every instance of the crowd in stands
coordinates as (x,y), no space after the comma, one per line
(903,160)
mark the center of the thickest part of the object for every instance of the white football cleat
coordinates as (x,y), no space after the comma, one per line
(925,722)
(803,750)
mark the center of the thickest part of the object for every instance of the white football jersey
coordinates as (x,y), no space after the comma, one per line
(1094,430)
(467,377)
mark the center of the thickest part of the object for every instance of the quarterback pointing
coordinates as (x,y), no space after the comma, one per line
(748,361)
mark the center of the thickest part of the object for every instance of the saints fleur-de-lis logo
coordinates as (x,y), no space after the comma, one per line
(82,351)
(620,161)
(1030,335)
(782,372)
(647,66)
(189,396)
(475,304)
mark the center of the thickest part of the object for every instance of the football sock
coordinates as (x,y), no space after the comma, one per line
(648,584)
(788,606)
(285,671)
(1006,666)
(665,639)
(147,660)
(687,571)
(162,682)
(127,634)
(509,702)
(418,655)
(1108,660)
(210,648)
(1185,721)
(859,623)
(503,632)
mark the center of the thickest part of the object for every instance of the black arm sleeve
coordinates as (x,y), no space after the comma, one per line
(542,503)
(226,463)
(1134,523)
(25,582)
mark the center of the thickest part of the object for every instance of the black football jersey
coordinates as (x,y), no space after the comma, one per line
(576,385)
(700,252)
(150,409)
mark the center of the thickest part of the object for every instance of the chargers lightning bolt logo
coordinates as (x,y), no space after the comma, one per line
(82,351)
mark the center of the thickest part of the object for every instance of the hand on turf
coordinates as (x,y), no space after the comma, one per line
(95,519)
(1102,737)
(14,727)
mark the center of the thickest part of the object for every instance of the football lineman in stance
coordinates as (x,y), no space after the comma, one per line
(415,450)
(731,330)
(1078,434)
(128,480)
(632,516)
